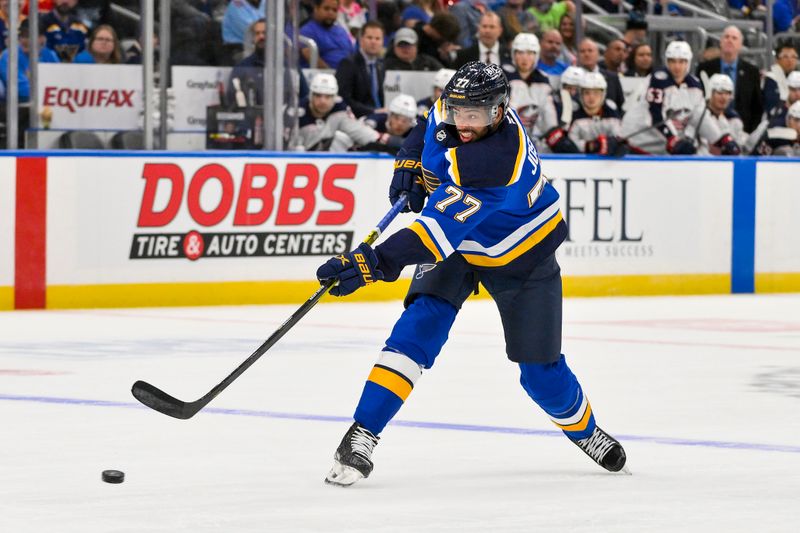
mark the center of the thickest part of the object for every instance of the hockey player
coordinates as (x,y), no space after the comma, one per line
(673,101)
(440,80)
(783,134)
(771,133)
(531,96)
(566,99)
(596,125)
(491,217)
(718,109)
(397,123)
(326,124)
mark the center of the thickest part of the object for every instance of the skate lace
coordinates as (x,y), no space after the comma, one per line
(362,442)
(596,445)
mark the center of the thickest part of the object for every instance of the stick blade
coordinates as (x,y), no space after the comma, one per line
(160,401)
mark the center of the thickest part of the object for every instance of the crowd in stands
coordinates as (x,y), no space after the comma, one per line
(572,96)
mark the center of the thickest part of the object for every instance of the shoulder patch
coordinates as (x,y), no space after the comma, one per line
(660,75)
(441,135)
(509,68)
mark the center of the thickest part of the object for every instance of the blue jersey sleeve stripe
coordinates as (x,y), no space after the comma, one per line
(437,234)
(512,240)
(535,238)
(427,241)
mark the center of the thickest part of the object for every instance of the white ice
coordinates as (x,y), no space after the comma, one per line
(704,393)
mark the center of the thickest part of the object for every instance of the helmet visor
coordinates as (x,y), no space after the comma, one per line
(471,115)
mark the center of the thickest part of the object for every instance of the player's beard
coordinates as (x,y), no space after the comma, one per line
(467,135)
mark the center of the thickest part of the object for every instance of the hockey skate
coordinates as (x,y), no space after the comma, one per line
(604,449)
(352,458)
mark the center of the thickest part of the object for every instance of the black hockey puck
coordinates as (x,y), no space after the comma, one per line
(113,476)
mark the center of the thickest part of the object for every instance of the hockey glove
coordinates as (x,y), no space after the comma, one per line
(407,178)
(678,146)
(618,147)
(727,146)
(351,271)
(559,142)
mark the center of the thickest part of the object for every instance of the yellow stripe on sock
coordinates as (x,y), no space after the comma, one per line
(581,425)
(390,380)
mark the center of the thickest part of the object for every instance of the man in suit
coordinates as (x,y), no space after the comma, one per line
(488,48)
(360,75)
(745,76)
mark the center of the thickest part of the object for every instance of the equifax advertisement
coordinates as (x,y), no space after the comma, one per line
(777,217)
(7,213)
(152,219)
(90,96)
(640,217)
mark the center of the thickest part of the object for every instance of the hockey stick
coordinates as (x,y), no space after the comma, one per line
(156,399)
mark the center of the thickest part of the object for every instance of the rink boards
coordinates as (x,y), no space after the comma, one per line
(101,229)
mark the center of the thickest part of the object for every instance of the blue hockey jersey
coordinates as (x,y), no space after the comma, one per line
(488,200)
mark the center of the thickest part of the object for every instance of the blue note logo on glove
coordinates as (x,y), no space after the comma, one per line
(351,271)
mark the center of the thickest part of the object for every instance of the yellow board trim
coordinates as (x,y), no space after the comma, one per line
(535,238)
(6,298)
(777,282)
(423,235)
(220,293)
(581,425)
(296,292)
(391,381)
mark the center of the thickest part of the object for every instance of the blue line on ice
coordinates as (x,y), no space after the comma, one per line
(424,425)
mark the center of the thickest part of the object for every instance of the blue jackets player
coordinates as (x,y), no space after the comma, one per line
(491,217)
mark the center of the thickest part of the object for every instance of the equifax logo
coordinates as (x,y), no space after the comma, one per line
(73,99)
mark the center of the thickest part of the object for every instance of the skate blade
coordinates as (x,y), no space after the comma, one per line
(342,475)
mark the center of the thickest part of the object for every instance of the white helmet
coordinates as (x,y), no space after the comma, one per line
(794,110)
(525,42)
(593,80)
(720,83)
(443,76)
(324,83)
(793,79)
(679,50)
(572,76)
(403,105)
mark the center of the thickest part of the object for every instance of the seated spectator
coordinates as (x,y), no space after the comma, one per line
(551,50)
(46,55)
(635,31)
(437,38)
(64,31)
(488,48)
(468,14)
(419,11)
(776,89)
(239,15)
(614,58)
(549,13)
(360,76)
(569,50)
(333,41)
(588,57)
(596,126)
(351,16)
(640,61)
(4,15)
(719,94)
(326,124)
(397,123)
(439,83)
(104,47)
(516,19)
(405,56)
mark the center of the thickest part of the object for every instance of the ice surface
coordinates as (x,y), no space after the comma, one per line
(702,391)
